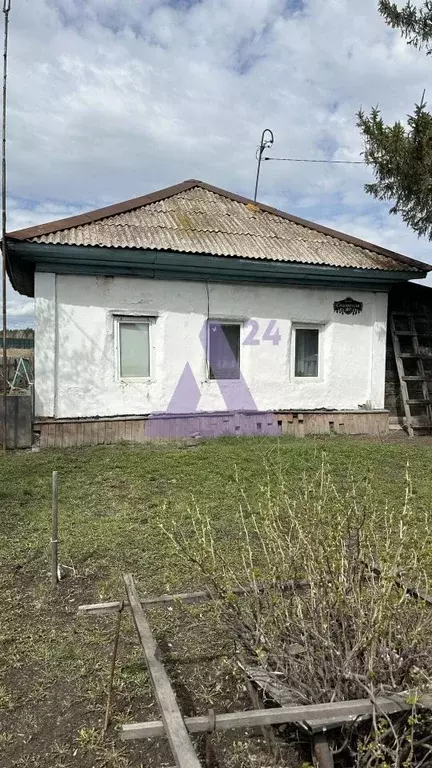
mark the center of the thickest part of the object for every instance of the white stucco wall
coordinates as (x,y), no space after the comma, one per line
(75,354)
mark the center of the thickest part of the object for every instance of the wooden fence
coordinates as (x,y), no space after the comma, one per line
(25,370)
(19,339)
(19,429)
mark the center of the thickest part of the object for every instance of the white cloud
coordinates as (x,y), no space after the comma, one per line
(20,312)
(21,215)
(109,100)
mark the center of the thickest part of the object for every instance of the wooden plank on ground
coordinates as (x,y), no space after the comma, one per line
(181,746)
(273,688)
(341,711)
(203,596)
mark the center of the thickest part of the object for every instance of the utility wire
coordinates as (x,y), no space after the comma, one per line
(6,9)
(299,160)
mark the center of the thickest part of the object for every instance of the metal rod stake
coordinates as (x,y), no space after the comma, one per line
(54,530)
(112,670)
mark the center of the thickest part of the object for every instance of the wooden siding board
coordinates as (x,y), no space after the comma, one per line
(133,435)
(51,435)
(108,432)
(73,436)
(80,434)
(66,435)
(127,430)
(296,424)
(19,432)
(43,442)
(138,431)
(95,432)
(88,432)
(59,435)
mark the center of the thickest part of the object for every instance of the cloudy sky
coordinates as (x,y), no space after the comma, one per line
(110,99)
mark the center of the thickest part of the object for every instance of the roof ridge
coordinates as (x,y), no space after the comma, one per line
(139,202)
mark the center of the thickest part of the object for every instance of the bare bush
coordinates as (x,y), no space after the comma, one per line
(350,634)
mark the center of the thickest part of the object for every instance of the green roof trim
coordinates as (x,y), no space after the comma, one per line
(25,258)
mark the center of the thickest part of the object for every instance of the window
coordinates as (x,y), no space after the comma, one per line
(306,352)
(133,348)
(224,350)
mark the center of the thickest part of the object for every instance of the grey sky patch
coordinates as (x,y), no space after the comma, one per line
(327,145)
(295,6)
(183,5)
(245,60)
(113,20)
(72,13)
(250,50)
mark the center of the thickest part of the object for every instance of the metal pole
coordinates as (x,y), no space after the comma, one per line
(264,144)
(6,9)
(54,530)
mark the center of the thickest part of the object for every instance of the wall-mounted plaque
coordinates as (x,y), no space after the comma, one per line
(348,306)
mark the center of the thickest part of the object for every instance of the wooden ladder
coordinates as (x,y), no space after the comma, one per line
(419,376)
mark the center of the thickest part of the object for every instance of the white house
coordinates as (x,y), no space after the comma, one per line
(195,311)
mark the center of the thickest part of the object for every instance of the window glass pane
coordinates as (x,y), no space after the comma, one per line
(134,350)
(224,351)
(306,351)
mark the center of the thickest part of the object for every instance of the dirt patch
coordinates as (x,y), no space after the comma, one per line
(53,688)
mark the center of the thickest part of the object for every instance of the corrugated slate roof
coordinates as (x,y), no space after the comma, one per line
(194,217)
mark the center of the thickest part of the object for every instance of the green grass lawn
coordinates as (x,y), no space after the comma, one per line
(54,667)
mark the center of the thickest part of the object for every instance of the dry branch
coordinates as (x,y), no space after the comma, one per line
(356,635)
